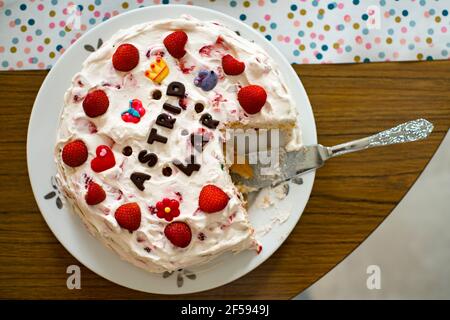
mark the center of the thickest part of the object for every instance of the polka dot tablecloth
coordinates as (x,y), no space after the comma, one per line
(33,34)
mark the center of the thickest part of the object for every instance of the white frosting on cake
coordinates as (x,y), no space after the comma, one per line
(212,234)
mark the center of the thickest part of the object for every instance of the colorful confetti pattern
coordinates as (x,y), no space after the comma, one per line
(34,34)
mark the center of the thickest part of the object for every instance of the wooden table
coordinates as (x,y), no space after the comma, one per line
(351,196)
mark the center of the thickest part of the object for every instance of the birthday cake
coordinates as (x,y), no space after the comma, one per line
(139,147)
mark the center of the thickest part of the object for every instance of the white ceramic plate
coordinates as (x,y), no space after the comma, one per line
(68,228)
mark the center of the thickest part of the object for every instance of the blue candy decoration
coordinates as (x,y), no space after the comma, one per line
(133,112)
(206,80)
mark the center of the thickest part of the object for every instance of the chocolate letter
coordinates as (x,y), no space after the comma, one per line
(171,108)
(198,141)
(138,178)
(175,89)
(150,158)
(154,136)
(188,168)
(207,120)
(165,120)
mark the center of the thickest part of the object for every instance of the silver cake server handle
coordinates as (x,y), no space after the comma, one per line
(406,132)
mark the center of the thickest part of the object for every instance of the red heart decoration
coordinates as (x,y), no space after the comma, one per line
(104,160)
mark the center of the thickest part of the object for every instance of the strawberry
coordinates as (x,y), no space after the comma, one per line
(175,43)
(252,98)
(126,57)
(96,103)
(232,66)
(212,199)
(179,233)
(104,160)
(95,194)
(128,216)
(75,153)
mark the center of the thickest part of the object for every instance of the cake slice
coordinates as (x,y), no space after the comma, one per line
(139,148)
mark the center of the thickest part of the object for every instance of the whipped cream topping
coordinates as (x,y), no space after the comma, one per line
(212,234)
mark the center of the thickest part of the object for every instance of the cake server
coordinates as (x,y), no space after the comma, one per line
(290,165)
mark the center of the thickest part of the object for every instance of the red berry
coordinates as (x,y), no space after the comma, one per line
(231,66)
(252,98)
(128,216)
(75,153)
(96,103)
(212,199)
(179,233)
(104,160)
(95,194)
(126,57)
(175,43)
